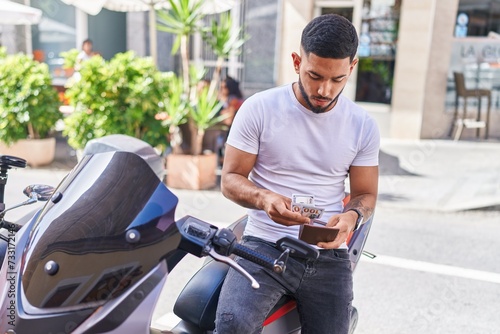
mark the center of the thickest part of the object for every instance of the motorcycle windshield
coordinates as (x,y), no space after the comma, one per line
(108,224)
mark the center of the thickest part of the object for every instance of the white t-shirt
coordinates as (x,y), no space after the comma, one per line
(83,56)
(300,152)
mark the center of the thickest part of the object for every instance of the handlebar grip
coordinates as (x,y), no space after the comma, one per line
(253,256)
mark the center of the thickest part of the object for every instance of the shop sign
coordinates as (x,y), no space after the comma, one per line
(474,51)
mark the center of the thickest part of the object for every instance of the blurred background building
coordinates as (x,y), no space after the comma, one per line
(408,50)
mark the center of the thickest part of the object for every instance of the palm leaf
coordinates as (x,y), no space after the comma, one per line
(204,111)
(222,38)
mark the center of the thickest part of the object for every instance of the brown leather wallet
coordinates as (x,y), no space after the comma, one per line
(313,234)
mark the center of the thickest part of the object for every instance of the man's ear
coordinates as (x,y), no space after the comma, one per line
(296,62)
(353,63)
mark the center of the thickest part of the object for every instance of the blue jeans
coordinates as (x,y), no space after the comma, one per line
(322,289)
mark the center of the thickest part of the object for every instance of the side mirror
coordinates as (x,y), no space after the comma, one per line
(35,192)
(40,192)
(8,161)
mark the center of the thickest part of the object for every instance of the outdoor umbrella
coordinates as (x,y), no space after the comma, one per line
(93,7)
(15,13)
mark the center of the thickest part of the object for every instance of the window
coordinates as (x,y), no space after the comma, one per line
(55,33)
(377,50)
(478,17)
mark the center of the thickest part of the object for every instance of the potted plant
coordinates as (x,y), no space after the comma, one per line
(184,19)
(29,109)
(175,108)
(197,171)
(120,96)
(224,41)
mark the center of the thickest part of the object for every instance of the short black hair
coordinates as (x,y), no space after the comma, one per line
(330,36)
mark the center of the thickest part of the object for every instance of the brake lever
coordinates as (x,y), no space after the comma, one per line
(280,263)
(31,200)
(234,265)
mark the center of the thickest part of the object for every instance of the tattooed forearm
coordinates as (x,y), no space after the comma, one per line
(365,203)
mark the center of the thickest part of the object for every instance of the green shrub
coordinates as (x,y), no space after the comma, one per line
(29,105)
(120,96)
(69,58)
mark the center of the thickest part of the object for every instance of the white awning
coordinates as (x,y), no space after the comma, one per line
(93,7)
(15,13)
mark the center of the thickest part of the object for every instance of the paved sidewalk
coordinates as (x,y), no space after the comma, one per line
(440,175)
(432,175)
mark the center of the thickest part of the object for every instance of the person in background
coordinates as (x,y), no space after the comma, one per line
(230,94)
(306,138)
(87,51)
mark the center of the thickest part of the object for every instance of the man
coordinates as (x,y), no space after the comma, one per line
(301,138)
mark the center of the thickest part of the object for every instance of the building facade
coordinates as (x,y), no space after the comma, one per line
(408,44)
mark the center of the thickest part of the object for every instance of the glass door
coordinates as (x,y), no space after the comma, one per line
(377,22)
(377,50)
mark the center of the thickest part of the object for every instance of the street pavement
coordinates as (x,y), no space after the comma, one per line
(431,175)
(438,205)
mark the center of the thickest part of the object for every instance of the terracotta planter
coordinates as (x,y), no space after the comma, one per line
(195,172)
(36,152)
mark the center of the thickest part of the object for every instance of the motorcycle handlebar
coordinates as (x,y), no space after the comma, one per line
(204,239)
(225,243)
(254,256)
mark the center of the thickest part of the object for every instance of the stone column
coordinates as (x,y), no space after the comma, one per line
(136,33)
(423,56)
(295,16)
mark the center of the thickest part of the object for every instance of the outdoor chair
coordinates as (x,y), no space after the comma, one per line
(470,123)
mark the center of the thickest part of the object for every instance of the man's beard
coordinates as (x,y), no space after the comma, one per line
(317,110)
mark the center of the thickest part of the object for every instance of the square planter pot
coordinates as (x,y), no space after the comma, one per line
(194,172)
(36,152)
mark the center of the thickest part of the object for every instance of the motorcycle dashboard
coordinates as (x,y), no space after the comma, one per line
(196,235)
